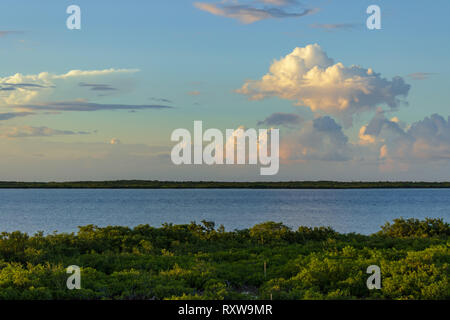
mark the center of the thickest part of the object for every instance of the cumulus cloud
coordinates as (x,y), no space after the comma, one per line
(427,139)
(251,12)
(29,131)
(319,139)
(389,143)
(386,143)
(431,137)
(310,78)
(380,125)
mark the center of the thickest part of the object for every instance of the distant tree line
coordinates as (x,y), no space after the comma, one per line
(154,184)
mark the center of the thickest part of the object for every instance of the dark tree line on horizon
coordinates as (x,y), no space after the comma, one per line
(155,184)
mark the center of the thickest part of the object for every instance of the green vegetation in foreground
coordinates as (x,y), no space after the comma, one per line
(203,262)
(143,184)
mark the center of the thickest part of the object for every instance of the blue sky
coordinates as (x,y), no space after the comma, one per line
(194,60)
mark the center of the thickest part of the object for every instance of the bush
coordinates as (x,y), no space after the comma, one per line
(402,228)
(198,262)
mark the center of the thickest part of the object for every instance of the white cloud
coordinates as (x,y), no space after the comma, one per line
(310,78)
(21,89)
(90,73)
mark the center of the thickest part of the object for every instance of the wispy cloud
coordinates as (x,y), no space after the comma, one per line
(4,33)
(97,87)
(257,10)
(279,2)
(29,131)
(164,100)
(11,115)
(28,88)
(420,75)
(7,88)
(87,106)
(84,73)
(335,26)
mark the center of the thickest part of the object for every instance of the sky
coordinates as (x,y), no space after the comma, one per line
(100,103)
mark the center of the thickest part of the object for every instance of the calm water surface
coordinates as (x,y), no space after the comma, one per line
(361,211)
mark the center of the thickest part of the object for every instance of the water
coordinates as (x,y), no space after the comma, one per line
(361,211)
